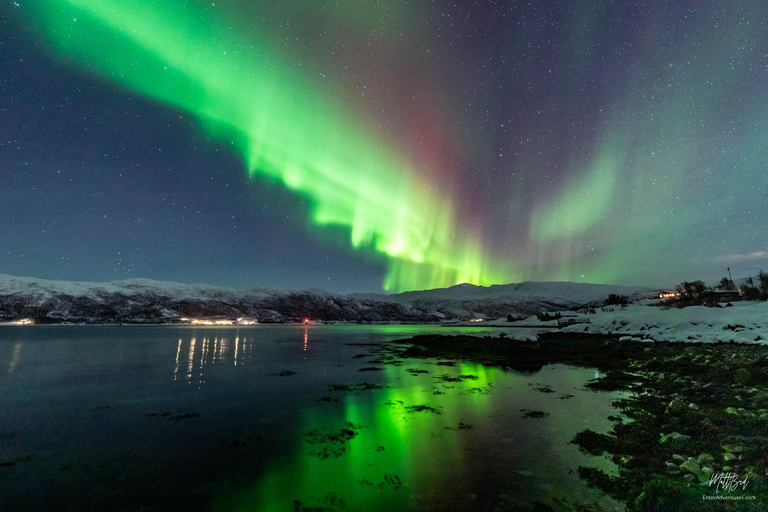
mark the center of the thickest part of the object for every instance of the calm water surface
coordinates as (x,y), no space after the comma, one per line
(247,418)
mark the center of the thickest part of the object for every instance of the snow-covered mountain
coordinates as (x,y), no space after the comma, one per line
(500,300)
(148,301)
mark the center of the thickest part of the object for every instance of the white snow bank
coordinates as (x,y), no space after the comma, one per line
(523,334)
(745,322)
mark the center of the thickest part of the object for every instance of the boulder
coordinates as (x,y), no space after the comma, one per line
(691,466)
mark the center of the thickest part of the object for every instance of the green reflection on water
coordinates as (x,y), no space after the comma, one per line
(448,439)
(397,448)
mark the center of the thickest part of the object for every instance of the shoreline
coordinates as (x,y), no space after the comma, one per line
(694,410)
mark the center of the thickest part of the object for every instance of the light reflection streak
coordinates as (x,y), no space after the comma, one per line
(190,359)
(176,368)
(203,355)
(223,349)
(212,352)
(15,357)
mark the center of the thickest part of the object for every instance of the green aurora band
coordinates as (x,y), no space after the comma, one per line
(662,170)
(285,127)
(669,158)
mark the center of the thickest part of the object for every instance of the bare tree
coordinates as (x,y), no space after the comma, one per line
(762,278)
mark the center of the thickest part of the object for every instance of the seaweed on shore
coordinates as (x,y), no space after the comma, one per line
(533,414)
(332,444)
(362,386)
(17,460)
(421,408)
(593,443)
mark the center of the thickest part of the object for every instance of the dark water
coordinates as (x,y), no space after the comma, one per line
(190,418)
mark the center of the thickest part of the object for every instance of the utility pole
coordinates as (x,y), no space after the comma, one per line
(729,276)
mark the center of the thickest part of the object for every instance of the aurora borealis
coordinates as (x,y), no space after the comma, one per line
(403,145)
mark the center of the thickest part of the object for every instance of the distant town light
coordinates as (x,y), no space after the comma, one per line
(197,321)
(23,321)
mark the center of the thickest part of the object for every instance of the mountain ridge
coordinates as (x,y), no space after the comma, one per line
(149,301)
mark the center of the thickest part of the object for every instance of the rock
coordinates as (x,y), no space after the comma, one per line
(676,406)
(731,410)
(627,460)
(760,400)
(742,377)
(675,438)
(727,469)
(703,458)
(693,406)
(672,468)
(678,458)
(690,478)
(691,466)
(733,448)
(729,457)
(706,423)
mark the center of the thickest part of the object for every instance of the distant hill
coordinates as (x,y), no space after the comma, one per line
(500,300)
(148,301)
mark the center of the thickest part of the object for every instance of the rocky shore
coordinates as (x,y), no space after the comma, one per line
(693,431)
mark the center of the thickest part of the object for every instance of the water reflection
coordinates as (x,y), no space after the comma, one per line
(426,441)
(241,403)
(207,351)
(16,357)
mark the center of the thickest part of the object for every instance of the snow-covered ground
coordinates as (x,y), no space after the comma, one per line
(744,322)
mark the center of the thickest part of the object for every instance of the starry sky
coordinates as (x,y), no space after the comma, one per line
(392,145)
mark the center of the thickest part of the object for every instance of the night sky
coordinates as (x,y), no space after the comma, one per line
(361,146)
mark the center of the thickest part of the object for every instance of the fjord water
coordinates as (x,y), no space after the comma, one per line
(272,418)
